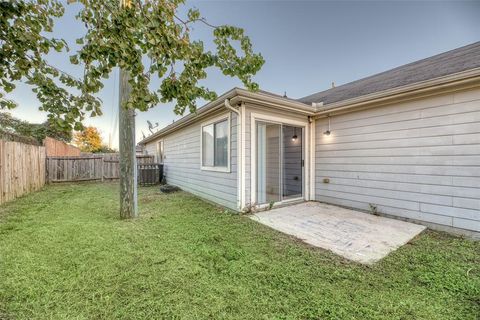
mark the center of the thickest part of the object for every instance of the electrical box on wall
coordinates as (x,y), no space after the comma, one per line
(326,180)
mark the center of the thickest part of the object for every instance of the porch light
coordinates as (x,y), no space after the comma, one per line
(327,133)
(294,137)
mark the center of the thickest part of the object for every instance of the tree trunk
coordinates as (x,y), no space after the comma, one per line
(127,157)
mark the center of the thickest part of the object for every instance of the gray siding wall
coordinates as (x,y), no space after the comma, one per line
(182,165)
(418,160)
(151,149)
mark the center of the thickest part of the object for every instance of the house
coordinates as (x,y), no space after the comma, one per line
(405,142)
(139,150)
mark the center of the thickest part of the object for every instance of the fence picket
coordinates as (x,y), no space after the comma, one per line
(93,167)
(22,169)
(25,168)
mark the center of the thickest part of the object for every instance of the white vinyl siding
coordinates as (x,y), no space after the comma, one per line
(418,160)
(182,165)
(150,149)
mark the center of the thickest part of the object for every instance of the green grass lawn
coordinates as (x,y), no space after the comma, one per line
(64,254)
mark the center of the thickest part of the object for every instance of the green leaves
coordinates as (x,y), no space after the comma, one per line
(148,39)
(229,62)
(37,131)
(193,14)
(24,42)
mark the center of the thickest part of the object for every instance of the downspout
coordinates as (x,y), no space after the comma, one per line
(312,173)
(229,106)
(239,152)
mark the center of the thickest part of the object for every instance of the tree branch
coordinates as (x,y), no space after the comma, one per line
(202,20)
(59,70)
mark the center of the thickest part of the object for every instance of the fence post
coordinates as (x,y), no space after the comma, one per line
(21,169)
(47,175)
(103,165)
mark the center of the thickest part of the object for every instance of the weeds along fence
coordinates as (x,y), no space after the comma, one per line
(98,167)
(22,169)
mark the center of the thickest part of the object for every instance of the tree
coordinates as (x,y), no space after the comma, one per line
(88,139)
(147,40)
(37,131)
(24,42)
(52,130)
(106,149)
(153,30)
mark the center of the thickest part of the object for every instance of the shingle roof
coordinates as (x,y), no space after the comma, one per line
(450,62)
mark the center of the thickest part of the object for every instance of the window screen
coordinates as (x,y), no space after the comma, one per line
(207,145)
(215,144)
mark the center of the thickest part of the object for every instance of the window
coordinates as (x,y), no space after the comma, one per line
(160,152)
(215,146)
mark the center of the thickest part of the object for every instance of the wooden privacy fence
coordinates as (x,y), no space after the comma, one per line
(22,169)
(99,167)
(56,148)
(111,164)
(65,169)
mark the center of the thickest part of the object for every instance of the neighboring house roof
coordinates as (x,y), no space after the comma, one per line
(447,63)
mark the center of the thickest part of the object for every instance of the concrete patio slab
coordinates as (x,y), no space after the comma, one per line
(355,235)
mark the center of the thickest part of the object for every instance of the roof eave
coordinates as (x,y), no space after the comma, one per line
(237,96)
(203,111)
(465,78)
(275,102)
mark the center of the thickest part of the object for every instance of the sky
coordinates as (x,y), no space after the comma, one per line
(307,45)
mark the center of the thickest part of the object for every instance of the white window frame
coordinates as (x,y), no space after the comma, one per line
(280,119)
(209,122)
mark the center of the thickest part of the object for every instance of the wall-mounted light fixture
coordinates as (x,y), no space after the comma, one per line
(294,137)
(327,133)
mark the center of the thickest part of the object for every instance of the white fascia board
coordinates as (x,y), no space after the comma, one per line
(464,79)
